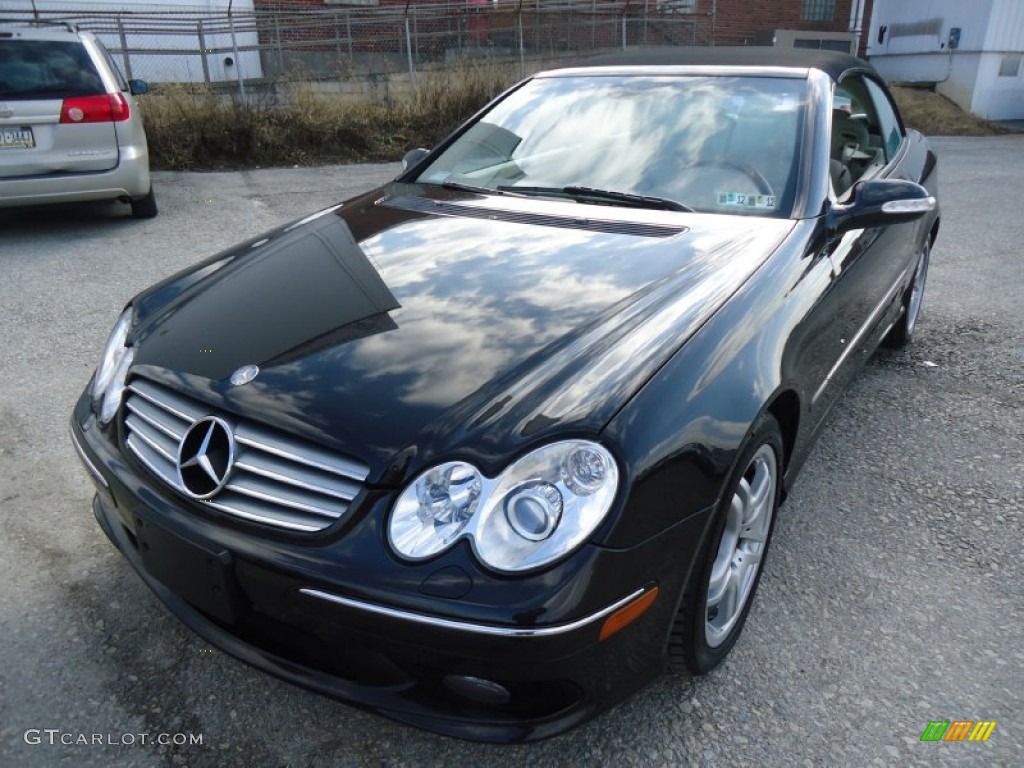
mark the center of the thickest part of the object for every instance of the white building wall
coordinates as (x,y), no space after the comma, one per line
(1006,27)
(915,49)
(1001,96)
(183,61)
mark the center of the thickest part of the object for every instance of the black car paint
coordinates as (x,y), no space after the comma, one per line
(548,309)
(674,414)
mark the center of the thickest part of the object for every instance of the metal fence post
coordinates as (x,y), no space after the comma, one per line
(124,48)
(238,59)
(536,24)
(522,46)
(202,51)
(277,39)
(408,51)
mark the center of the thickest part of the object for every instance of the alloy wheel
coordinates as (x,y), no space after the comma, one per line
(742,546)
(917,291)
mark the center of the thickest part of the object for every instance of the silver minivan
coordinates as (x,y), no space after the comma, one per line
(70,129)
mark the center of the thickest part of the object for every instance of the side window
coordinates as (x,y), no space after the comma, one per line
(113,66)
(855,145)
(889,124)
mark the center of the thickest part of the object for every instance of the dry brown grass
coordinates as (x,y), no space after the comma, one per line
(935,115)
(191,127)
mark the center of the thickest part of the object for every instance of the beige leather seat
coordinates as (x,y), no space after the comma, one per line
(850,147)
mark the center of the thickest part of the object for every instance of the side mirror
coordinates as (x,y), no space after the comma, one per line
(413,157)
(879,202)
(138,87)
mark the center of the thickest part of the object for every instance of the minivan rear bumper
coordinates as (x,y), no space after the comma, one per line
(129,179)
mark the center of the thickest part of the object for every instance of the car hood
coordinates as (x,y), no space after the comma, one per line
(401,328)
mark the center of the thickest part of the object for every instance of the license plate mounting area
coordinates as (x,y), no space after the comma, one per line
(200,574)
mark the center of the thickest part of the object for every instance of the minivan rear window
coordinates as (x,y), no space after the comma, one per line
(46,69)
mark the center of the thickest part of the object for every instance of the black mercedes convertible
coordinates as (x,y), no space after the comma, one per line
(491,447)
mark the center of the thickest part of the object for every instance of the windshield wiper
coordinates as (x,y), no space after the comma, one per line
(448,184)
(583,194)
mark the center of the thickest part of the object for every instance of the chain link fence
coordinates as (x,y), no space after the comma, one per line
(366,46)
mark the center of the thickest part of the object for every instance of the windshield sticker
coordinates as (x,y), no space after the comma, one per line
(743,200)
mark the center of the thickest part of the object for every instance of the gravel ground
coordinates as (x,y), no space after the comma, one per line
(893,595)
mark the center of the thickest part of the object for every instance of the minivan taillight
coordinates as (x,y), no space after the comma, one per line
(105,108)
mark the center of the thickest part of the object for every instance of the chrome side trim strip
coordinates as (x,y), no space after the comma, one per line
(469,626)
(86,461)
(857,337)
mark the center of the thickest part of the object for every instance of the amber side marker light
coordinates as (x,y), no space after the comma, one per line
(627,614)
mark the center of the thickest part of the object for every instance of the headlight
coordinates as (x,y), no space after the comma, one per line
(538,510)
(108,382)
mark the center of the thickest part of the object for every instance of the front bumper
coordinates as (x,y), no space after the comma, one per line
(315,630)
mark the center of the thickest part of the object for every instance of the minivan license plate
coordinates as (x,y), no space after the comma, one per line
(16,138)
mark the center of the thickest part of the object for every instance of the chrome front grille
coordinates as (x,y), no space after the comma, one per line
(276,478)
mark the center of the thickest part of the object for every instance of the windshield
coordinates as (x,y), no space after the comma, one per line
(713,144)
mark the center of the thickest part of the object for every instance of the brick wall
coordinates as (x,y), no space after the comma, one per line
(741,22)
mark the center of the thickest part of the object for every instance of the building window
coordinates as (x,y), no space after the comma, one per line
(1009,66)
(819,10)
(678,6)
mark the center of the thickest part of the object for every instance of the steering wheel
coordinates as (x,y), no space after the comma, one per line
(763,187)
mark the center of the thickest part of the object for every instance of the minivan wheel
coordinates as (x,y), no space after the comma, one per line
(722,586)
(145,207)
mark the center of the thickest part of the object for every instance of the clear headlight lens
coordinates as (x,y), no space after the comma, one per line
(108,382)
(115,389)
(434,510)
(538,510)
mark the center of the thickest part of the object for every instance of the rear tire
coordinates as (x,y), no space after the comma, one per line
(145,206)
(724,581)
(902,333)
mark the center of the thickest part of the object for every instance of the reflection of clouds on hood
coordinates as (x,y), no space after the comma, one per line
(444,345)
(479,296)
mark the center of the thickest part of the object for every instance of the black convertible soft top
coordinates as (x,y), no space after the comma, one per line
(832,63)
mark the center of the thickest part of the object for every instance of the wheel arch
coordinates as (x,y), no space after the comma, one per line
(785,408)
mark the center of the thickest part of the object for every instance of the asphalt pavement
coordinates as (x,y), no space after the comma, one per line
(892,596)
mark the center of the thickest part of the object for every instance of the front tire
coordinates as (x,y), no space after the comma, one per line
(902,333)
(145,206)
(722,586)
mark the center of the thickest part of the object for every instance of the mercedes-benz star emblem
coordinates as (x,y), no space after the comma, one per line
(205,457)
(244,375)
(6,111)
